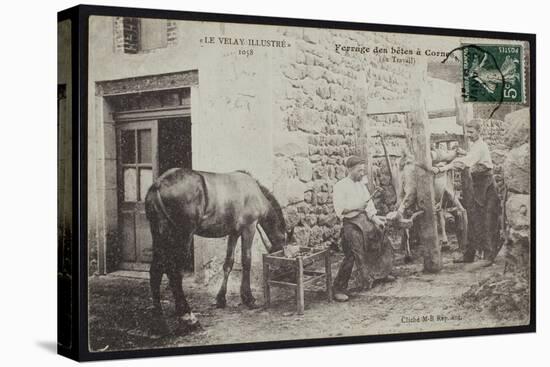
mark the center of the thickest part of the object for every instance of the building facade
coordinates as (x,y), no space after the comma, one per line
(166,94)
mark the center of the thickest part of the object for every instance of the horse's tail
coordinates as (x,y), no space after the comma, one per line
(150,206)
(154,205)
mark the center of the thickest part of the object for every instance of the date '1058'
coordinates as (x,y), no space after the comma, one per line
(246,53)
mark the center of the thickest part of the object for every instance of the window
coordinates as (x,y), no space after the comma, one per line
(136,35)
(136,163)
(152,34)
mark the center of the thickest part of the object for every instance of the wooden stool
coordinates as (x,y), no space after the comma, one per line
(297,275)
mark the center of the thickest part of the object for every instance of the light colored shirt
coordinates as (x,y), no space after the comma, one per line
(478,154)
(348,194)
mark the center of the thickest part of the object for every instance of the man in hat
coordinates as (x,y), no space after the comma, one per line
(361,228)
(481,198)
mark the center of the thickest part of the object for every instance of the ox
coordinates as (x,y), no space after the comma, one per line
(404,182)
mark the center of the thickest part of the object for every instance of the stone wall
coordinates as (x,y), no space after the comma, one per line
(493,132)
(517,178)
(323,112)
(503,135)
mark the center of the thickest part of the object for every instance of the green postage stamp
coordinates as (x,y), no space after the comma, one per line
(493,73)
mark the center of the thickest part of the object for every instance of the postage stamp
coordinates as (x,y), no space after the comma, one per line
(493,73)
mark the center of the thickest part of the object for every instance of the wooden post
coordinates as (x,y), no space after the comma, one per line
(328,275)
(300,286)
(363,142)
(425,184)
(464,113)
(267,291)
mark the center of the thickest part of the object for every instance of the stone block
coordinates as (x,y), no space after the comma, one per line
(322,197)
(291,72)
(518,128)
(290,144)
(310,122)
(315,158)
(304,169)
(331,172)
(291,216)
(301,236)
(310,220)
(516,170)
(518,212)
(303,207)
(289,191)
(316,236)
(313,149)
(328,220)
(340,172)
(296,190)
(320,172)
(315,72)
(283,167)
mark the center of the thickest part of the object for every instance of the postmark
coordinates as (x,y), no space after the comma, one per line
(493,73)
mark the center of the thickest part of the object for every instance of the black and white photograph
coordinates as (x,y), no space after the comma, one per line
(233,182)
(294,183)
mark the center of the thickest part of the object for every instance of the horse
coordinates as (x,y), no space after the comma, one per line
(182,203)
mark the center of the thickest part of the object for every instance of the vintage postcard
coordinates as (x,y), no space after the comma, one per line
(252,183)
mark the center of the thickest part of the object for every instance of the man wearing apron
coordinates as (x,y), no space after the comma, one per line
(362,231)
(480,196)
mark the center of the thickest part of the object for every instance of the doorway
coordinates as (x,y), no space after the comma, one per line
(146,149)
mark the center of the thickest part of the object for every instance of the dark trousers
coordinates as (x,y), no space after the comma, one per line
(484,210)
(353,246)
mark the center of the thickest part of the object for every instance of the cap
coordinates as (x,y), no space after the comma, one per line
(354,161)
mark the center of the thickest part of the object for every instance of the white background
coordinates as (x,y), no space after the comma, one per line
(28,182)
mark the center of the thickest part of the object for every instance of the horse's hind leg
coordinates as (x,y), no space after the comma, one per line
(187,319)
(227,267)
(156,271)
(155,277)
(246,259)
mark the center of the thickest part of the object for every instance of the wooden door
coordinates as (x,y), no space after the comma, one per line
(137,169)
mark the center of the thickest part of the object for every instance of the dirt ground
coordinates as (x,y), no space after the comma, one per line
(120,309)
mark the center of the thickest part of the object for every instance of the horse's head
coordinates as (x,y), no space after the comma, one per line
(274,222)
(278,236)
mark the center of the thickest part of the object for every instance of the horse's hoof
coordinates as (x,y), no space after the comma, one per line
(250,302)
(188,323)
(185,328)
(159,329)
